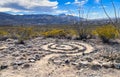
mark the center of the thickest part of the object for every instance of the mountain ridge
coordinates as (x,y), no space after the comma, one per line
(36,19)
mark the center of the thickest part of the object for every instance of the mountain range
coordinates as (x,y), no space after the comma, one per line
(36,19)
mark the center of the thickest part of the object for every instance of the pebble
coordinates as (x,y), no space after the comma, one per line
(17,63)
(96,67)
(15,66)
(2,55)
(3,67)
(107,65)
(89,59)
(37,57)
(15,54)
(26,66)
(32,60)
(67,62)
(3,47)
(117,65)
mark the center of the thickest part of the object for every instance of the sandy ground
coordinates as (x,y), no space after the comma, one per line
(43,68)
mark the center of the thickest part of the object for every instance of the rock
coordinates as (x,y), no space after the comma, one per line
(35,49)
(29,46)
(82,64)
(89,36)
(118,60)
(107,65)
(67,61)
(3,47)
(3,67)
(94,75)
(26,66)
(114,41)
(74,37)
(74,63)
(96,67)
(29,53)
(2,55)
(8,40)
(17,63)
(15,54)
(56,61)
(21,46)
(11,48)
(117,65)
(89,59)
(32,60)
(37,57)
(21,42)
(22,51)
(15,66)
(3,38)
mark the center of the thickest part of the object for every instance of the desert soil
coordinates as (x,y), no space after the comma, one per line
(48,57)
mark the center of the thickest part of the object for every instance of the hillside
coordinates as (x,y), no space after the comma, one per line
(36,19)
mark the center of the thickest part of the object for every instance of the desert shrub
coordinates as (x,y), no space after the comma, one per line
(59,33)
(106,32)
(25,33)
(84,34)
(54,33)
(72,32)
(3,33)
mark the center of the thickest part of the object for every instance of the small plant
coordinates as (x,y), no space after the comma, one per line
(24,34)
(84,34)
(55,33)
(60,33)
(106,32)
(3,33)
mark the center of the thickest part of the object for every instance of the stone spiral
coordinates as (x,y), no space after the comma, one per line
(67,47)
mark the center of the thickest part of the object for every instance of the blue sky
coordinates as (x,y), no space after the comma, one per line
(56,7)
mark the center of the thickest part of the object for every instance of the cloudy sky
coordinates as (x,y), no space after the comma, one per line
(89,8)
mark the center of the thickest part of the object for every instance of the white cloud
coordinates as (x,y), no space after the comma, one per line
(102,6)
(97,1)
(8,9)
(27,5)
(60,11)
(80,2)
(30,3)
(67,3)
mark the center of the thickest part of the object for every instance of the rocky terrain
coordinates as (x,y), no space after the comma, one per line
(48,57)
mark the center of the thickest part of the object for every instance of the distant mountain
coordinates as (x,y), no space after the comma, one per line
(36,19)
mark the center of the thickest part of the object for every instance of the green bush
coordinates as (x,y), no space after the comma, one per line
(59,33)
(3,33)
(108,32)
(25,33)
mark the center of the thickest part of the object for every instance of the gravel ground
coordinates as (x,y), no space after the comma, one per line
(48,57)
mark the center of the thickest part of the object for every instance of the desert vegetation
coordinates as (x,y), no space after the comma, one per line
(67,32)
